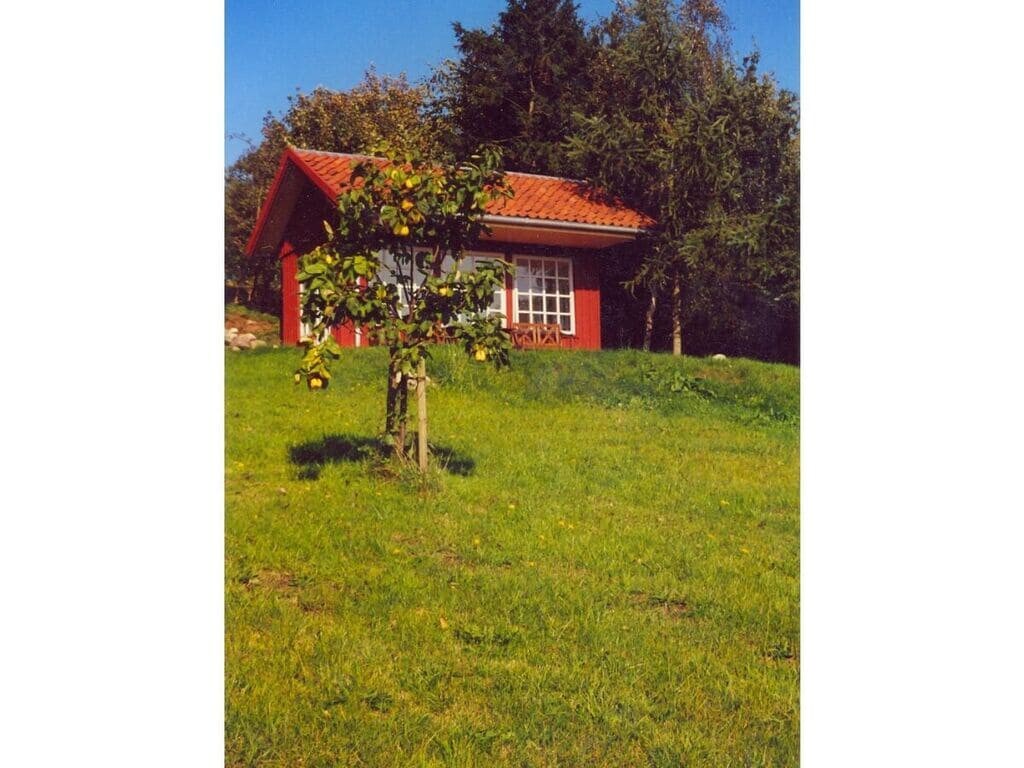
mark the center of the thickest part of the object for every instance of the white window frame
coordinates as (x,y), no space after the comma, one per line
(502,292)
(474,255)
(519,259)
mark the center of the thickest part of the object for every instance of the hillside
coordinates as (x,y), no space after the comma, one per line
(606,573)
(246,320)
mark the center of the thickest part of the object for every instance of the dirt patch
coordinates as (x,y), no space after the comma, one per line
(409,542)
(277,581)
(449,557)
(666,605)
(289,587)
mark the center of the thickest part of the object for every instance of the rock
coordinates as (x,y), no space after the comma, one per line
(259,343)
(230,334)
(243,340)
(719,356)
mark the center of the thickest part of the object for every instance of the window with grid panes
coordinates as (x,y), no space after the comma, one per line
(498,302)
(544,291)
(468,264)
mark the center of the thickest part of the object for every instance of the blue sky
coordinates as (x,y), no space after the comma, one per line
(272,47)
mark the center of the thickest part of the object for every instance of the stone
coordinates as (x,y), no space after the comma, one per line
(259,343)
(719,356)
(243,340)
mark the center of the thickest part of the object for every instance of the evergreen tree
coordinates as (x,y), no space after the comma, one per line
(516,85)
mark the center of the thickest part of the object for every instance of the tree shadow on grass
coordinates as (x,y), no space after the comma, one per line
(311,457)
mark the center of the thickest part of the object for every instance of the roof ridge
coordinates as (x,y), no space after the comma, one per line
(546,176)
(378,157)
(337,154)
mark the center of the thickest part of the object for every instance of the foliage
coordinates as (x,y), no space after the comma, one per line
(706,148)
(628,595)
(516,85)
(392,264)
(377,109)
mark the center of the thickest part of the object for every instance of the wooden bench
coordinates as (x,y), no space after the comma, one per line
(536,335)
(524,336)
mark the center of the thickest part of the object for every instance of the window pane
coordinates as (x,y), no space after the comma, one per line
(566,323)
(563,305)
(549,285)
(551,302)
(524,303)
(563,287)
(549,269)
(563,269)
(538,303)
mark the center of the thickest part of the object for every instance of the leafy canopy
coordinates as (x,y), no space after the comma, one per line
(709,150)
(392,263)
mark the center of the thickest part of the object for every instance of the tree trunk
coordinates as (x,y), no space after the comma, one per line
(394,418)
(677,314)
(649,320)
(403,414)
(421,414)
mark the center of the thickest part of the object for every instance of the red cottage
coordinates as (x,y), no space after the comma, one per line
(550,230)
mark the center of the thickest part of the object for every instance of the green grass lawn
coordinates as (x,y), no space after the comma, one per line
(606,573)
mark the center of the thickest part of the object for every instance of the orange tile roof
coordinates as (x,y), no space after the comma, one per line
(536,197)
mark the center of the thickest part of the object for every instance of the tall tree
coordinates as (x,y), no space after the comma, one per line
(517,84)
(379,109)
(425,217)
(704,146)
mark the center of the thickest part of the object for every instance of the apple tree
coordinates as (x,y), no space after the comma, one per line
(392,265)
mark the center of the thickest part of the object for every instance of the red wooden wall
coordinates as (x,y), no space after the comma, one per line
(586,285)
(587,289)
(289,295)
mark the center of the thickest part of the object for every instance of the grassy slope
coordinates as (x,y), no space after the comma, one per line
(614,582)
(246,320)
